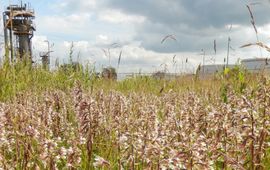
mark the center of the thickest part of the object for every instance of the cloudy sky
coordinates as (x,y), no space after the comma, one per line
(103,28)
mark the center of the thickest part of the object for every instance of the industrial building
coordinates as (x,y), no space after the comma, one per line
(18,31)
(212,69)
(256,64)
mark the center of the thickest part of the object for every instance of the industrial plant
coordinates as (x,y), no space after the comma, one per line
(19,28)
(18,31)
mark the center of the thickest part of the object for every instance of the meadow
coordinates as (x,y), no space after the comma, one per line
(71,119)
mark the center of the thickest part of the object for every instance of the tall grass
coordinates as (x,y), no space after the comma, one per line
(69,119)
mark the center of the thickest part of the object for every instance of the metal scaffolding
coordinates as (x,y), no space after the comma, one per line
(18,31)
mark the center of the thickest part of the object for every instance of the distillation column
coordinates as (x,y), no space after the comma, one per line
(18,23)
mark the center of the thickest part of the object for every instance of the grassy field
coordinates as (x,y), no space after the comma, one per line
(68,119)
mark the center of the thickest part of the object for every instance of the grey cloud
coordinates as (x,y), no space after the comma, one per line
(195,23)
(195,13)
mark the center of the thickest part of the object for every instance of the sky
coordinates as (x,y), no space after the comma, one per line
(101,29)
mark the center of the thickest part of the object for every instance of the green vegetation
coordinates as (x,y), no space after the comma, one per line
(71,119)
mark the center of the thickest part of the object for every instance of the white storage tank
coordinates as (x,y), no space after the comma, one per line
(256,64)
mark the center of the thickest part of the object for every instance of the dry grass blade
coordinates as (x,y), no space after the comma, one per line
(260,44)
(174,61)
(232,48)
(250,12)
(252,19)
(114,45)
(215,46)
(247,45)
(168,37)
(119,59)
(105,52)
(263,46)
(254,26)
(174,57)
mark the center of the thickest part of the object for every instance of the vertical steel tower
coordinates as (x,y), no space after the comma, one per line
(18,30)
